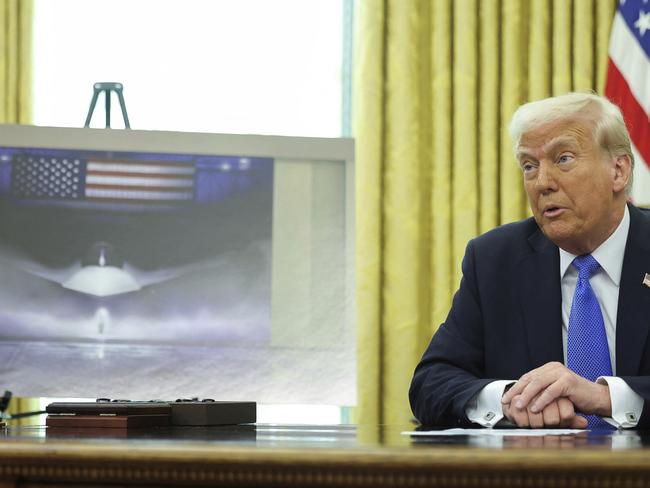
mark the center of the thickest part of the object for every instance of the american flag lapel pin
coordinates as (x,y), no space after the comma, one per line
(646,280)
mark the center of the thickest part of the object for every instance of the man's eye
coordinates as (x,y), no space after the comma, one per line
(565,158)
(527,167)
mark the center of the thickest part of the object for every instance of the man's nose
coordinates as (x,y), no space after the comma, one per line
(546,178)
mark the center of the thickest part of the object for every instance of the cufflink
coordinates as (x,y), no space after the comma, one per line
(630,417)
(489,416)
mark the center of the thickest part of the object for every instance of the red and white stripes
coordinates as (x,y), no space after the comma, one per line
(628,85)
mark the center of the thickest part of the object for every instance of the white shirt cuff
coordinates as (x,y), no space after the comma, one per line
(485,407)
(627,405)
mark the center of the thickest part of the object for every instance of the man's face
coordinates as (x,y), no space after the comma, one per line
(575,189)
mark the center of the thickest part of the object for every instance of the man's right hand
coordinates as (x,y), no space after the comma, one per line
(560,413)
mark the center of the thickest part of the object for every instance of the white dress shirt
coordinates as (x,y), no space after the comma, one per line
(485,408)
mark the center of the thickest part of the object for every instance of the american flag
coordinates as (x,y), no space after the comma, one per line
(140,181)
(47,177)
(101,180)
(628,84)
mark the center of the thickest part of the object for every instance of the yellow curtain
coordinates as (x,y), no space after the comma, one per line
(435,83)
(16,61)
(16,104)
(19,405)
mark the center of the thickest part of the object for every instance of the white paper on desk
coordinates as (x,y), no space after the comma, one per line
(493,432)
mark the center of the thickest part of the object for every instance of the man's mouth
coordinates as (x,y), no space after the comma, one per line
(552,211)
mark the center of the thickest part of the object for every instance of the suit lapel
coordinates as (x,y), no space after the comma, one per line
(542,301)
(633,316)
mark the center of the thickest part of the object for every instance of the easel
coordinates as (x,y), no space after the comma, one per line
(108,88)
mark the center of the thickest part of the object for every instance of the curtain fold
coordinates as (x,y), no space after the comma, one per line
(407,132)
(440,192)
(514,63)
(489,121)
(369,82)
(16,61)
(435,81)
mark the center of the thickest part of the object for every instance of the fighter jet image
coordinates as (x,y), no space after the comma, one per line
(142,237)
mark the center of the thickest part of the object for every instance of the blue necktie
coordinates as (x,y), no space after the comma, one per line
(587,351)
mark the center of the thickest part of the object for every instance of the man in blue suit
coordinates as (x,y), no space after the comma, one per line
(549,327)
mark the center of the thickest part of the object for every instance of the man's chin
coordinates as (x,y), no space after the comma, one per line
(557,232)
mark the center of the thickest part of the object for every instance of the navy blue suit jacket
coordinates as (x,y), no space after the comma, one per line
(506,320)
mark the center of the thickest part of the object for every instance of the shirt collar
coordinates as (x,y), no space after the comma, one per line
(609,254)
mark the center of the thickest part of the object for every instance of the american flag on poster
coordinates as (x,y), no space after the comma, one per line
(139,180)
(628,84)
(102,180)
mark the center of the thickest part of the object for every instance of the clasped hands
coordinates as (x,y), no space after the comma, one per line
(551,396)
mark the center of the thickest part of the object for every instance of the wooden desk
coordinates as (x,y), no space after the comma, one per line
(296,456)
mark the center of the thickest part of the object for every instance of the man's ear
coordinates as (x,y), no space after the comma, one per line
(622,172)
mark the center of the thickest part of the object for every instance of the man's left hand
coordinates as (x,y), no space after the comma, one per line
(547,383)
